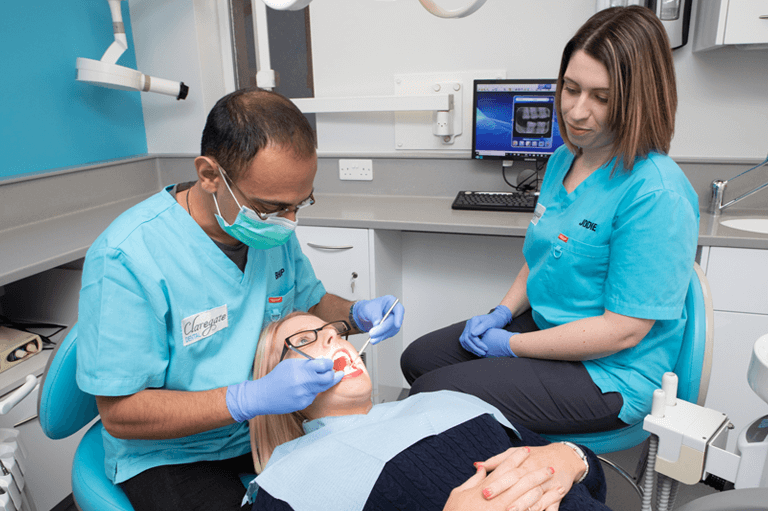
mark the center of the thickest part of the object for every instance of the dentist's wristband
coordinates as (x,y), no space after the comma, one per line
(580,454)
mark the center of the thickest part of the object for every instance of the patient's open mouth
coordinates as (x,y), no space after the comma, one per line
(342,361)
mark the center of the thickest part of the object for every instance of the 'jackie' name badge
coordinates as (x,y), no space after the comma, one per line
(204,324)
(538,212)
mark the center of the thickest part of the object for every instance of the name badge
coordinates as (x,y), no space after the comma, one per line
(204,324)
(538,212)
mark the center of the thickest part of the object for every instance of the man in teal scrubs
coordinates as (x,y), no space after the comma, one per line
(175,293)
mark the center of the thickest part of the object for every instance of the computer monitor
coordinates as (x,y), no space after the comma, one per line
(515,120)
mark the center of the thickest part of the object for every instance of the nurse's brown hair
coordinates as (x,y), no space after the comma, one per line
(633,46)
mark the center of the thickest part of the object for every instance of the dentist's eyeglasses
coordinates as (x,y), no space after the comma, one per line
(306,337)
(271,214)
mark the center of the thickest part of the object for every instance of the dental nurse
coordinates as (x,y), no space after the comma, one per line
(175,293)
(595,316)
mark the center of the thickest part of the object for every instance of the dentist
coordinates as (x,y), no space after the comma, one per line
(175,293)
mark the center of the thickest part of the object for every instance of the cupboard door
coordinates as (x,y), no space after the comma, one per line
(729,392)
(738,278)
(340,259)
(747,22)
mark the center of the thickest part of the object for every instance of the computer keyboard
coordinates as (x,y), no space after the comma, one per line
(495,201)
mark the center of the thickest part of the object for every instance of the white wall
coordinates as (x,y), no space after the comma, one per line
(182,40)
(358,47)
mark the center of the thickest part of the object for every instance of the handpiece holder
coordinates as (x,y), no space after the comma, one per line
(106,72)
(692,439)
(719,186)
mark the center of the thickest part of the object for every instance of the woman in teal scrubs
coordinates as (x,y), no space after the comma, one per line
(595,317)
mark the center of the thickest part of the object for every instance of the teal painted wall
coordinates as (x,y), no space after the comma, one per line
(49,120)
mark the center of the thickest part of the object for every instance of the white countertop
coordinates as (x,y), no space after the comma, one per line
(32,248)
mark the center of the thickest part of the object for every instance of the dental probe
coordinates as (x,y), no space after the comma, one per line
(359,353)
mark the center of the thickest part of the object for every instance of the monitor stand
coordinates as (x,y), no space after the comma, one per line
(523,180)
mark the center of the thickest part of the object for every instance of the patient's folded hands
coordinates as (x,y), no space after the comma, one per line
(520,478)
(510,487)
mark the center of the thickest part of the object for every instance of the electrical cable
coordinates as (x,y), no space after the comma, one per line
(525,185)
(24,326)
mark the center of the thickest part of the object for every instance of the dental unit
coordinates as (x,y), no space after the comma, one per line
(688,441)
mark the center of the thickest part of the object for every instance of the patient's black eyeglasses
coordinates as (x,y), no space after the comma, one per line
(306,337)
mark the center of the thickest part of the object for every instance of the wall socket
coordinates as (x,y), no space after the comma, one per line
(356,170)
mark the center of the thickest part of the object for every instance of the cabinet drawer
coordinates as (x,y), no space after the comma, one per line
(744,24)
(738,278)
(340,258)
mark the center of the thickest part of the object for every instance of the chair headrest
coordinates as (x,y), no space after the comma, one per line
(62,407)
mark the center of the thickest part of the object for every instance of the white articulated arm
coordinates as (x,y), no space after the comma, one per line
(118,47)
(106,72)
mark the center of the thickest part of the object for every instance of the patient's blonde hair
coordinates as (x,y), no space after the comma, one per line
(269,431)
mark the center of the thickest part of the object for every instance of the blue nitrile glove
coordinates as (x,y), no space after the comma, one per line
(477,326)
(496,341)
(292,385)
(368,313)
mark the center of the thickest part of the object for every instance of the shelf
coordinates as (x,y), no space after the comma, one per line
(33,248)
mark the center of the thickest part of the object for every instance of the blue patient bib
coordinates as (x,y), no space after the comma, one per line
(336,464)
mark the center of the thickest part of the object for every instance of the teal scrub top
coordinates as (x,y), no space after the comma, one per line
(161,306)
(623,241)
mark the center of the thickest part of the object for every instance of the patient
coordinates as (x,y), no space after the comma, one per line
(432,451)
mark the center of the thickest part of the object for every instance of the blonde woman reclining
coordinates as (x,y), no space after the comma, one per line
(431,451)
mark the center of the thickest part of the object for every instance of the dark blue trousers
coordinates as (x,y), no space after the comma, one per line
(545,396)
(205,485)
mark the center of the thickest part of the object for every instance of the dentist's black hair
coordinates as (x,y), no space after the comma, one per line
(245,121)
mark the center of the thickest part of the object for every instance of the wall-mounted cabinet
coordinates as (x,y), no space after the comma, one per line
(731,22)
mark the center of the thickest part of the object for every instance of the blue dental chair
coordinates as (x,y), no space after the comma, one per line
(692,368)
(64,409)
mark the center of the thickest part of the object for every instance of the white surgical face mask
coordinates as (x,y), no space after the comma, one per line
(249,228)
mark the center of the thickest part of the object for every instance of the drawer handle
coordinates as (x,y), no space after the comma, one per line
(330,247)
(763,16)
(18,394)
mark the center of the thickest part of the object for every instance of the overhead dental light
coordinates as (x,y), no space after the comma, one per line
(106,73)
(455,13)
(287,5)
(295,5)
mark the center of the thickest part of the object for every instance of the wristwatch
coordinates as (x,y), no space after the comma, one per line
(351,317)
(580,453)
